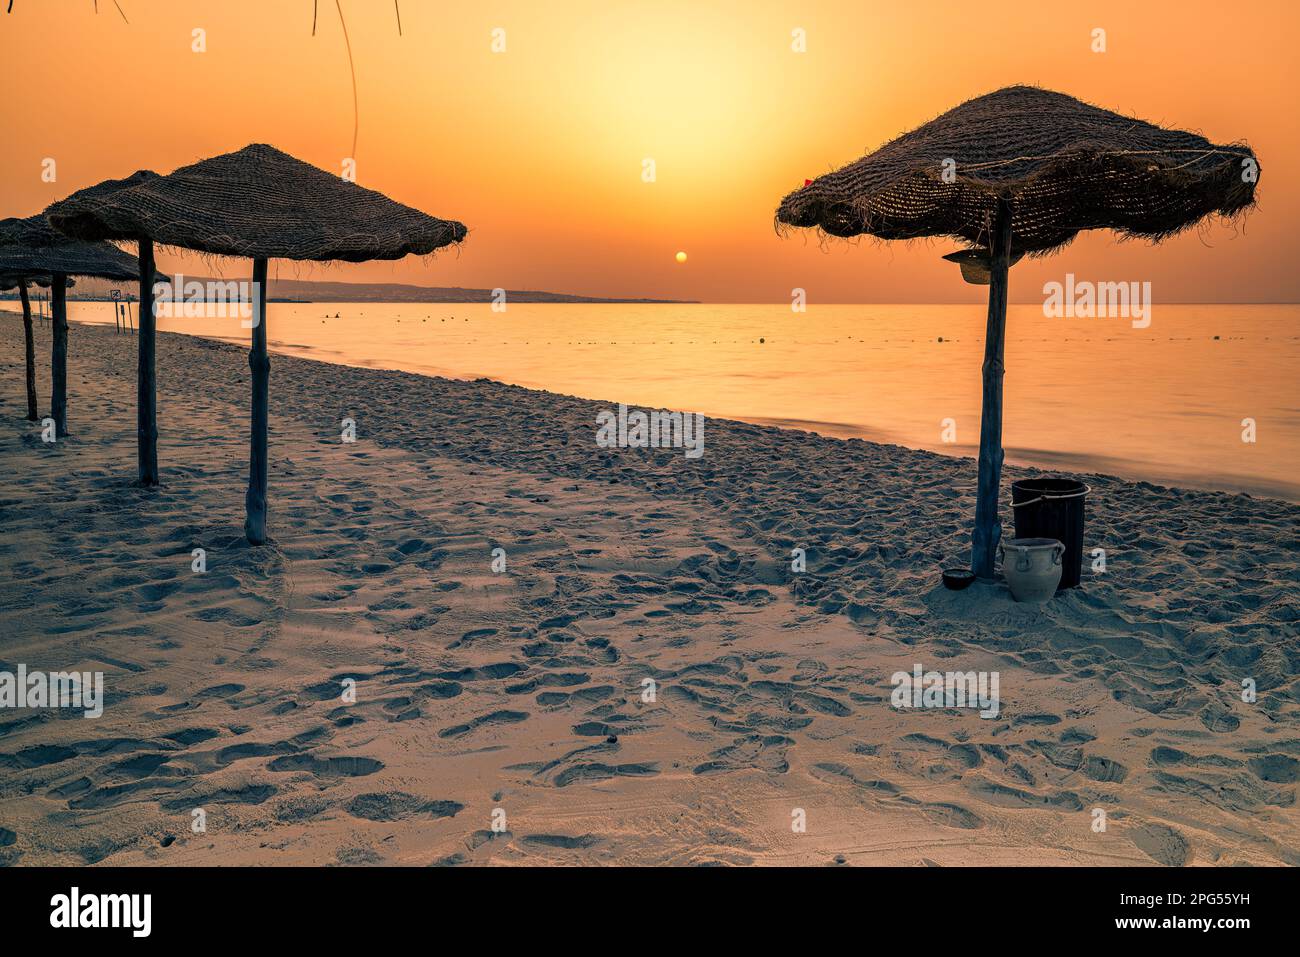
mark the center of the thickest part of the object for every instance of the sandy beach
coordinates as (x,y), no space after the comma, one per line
(518,697)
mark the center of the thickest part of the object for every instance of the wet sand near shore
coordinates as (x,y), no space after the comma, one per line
(519,696)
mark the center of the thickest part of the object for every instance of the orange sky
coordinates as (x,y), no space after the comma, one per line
(539,149)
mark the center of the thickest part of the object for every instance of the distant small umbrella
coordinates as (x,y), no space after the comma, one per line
(1022,171)
(31,251)
(265,204)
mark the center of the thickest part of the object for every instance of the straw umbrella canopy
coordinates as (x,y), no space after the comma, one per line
(264,204)
(1022,171)
(31,250)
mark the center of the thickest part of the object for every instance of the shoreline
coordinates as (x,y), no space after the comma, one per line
(523,690)
(1082,465)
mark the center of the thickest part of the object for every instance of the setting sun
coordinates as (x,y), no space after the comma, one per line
(681,257)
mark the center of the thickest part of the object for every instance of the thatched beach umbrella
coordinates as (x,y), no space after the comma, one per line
(1022,171)
(30,248)
(264,204)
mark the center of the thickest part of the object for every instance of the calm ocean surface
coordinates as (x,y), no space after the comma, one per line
(1165,403)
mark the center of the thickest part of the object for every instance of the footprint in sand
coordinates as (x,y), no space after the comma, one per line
(1104,770)
(140,766)
(496,717)
(106,797)
(345,766)
(157,592)
(603,772)
(1164,756)
(70,789)
(486,673)
(592,695)
(553,679)
(561,841)
(935,758)
(216,692)
(1036,719)
(478,838)
(188,736)
(1000,795)
(398,805)
(1276,768)
(333,688)
(441,689)
(253,794)
(38,757)
(1219,719)
(472,636)
(1162,844)
(612,724)
(952,815)
(764,752)
(834,772)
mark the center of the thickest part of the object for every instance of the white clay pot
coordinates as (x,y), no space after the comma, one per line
(1032,567)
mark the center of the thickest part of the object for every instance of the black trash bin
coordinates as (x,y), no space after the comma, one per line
(1053,508)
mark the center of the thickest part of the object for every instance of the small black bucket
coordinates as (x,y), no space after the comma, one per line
(1053,508)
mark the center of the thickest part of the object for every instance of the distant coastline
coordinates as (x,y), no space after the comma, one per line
(301,290)
(307,291)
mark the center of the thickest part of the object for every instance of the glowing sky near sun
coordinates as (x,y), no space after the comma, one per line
(540,147)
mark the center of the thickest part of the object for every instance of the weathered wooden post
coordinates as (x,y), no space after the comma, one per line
(988,527)
(146,382)
(30,348)
(260,366)
(59,354)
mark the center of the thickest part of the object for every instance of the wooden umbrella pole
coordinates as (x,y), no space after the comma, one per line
(260,366)
(59,354)
(30,346)
(146,380)
(988,528)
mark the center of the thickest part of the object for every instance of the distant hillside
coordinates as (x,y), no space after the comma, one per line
(298,290)
(400,292)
